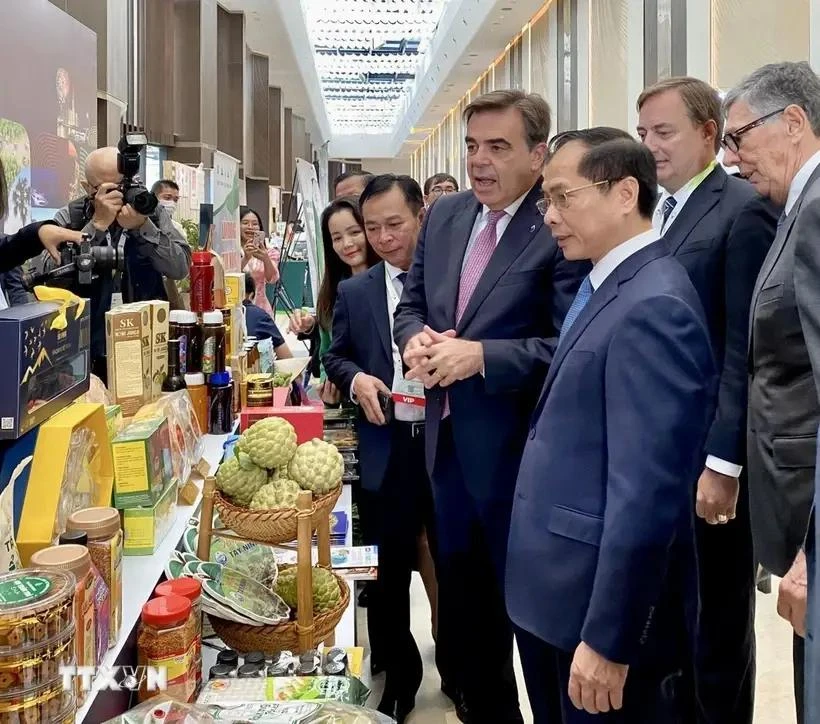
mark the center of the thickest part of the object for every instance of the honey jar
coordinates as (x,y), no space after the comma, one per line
(260,390)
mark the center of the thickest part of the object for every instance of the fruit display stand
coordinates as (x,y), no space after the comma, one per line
(308,630)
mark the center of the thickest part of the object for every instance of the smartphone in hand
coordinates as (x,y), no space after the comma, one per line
(386,404)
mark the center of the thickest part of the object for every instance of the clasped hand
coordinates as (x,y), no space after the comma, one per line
(440,358)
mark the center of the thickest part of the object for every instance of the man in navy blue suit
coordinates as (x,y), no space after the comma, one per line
(601,545)
(364,363)
(482,306)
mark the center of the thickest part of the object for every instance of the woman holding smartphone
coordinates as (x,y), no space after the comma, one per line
(257,260)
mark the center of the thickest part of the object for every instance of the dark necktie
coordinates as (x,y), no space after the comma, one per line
(668,205)
(402,278)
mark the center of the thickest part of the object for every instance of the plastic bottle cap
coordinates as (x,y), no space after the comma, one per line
(220,379)
(186,317)
(74,537)
(97,522)
(72,558)
(166,611)
(188,588)
(227,657)
(201,257)
(194,379)
(212,318)
(175,315)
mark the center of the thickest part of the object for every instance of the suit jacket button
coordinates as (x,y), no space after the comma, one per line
(532,433)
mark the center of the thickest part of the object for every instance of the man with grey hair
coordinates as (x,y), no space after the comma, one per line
(772,135)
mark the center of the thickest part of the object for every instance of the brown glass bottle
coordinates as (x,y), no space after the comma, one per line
(174,380)
(213,343)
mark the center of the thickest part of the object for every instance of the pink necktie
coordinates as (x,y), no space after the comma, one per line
(477,261)
(480,256)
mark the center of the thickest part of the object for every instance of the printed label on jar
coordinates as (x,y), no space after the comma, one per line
(183,354)
(179,669)
(209,356)
(24,590)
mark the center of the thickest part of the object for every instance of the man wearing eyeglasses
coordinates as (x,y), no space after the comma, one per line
(720,230)
(437,186)
(773,137)
(601,548)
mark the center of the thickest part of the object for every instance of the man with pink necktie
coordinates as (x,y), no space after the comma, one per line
(478,322)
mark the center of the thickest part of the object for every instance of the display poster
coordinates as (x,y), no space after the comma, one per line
(191,182)
(307,186)
(48,108)
(225,197)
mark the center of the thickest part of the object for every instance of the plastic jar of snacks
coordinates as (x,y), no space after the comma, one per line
(167,638)
(40,704)
(104,530)
(191,589)
(36,665)
(35,606)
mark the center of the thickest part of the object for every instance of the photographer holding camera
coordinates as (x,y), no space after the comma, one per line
(147,245)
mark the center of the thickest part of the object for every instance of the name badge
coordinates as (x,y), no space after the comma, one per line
(408,392)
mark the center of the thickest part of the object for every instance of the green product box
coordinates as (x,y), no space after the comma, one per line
(145,528)
(142,463)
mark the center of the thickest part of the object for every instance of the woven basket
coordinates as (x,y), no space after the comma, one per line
(285,636)
(271,526)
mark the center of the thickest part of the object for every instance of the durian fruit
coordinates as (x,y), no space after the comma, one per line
(326,592)
(239,478)
(281,494)
(270,443)
(317,466)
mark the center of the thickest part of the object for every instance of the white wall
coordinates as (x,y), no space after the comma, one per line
(386,165)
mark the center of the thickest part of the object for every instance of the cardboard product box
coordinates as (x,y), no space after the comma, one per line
(142,463)
(234,289)
(45,367)
(159,346)
(129,348)
(145,528)
(307,421)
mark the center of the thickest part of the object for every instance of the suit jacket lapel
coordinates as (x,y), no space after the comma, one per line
(462,229)
(522,228)
(377,296)
(599,300)
(703,198)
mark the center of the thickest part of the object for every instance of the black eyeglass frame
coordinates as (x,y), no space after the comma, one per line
(731,141)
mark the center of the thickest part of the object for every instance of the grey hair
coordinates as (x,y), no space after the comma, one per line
(778,85)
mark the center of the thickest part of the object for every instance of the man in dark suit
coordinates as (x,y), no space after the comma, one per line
(773,136)
(477,323)
(720,229)
(601,535)
(364,363)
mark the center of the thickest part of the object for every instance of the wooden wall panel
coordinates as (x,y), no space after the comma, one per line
(289,165)
(258,165)
(230,82)
(159,73)
(276,135)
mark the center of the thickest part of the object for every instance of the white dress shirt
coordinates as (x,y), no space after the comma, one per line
(801,178)
(482,219)
(681,196)
(610,261)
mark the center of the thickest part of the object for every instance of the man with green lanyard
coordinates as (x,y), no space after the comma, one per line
(719,229)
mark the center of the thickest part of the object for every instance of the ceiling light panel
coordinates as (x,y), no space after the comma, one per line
(367,54)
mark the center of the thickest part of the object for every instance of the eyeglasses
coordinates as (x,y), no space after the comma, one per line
(731,141)
(562,198)
(438,191)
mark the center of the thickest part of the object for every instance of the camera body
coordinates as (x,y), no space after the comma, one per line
(128,164)
(79,262)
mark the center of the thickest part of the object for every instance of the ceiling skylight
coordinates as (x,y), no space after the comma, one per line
(367,54)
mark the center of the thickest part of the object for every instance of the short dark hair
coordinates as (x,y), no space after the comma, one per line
(351,174)
(622,158)
(379,185)
(250,285)
(163,183)
(439,178)
(534,110)
(701,100)
(594,136)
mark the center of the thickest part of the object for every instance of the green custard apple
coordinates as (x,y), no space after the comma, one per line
(281,494)
(270,443)
(326,592)
(317,466)
(239,478)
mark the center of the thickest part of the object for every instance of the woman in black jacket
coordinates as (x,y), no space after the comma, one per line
(31,239)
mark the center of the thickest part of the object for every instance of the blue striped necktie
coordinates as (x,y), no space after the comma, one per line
(581,299)
(669,205)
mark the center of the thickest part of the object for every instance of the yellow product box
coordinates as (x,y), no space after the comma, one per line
(159,346)
(129,349)
(145,528)
(142,462)
(113,420)
(234,289)
(47,493)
